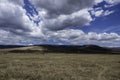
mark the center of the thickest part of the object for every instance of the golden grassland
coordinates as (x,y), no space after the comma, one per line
(36,66)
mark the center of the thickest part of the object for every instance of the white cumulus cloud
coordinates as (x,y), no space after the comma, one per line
(57,17)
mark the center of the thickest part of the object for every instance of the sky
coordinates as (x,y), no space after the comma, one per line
(60,22)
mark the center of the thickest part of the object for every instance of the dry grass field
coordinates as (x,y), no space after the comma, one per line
(36,66)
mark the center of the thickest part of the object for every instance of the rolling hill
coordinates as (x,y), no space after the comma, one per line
(59,49)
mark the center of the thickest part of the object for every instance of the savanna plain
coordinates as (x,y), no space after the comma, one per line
(60,66)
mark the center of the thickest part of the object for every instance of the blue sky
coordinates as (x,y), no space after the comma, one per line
(64,22)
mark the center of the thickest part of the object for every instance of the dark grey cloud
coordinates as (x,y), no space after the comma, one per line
(59,7)
(79,18)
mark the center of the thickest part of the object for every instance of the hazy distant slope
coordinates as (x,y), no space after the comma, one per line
(10,46)
(60,49)
(76,49)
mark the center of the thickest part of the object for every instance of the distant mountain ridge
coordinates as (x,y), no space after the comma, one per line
(10,46)
(62,48)
(77,49)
